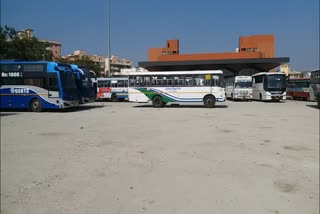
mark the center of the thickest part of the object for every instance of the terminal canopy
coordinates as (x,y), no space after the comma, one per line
(231,67)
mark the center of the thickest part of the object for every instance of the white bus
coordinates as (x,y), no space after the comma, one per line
(314,87)
(164,87)
(112,88)
(239,87)
(269,86)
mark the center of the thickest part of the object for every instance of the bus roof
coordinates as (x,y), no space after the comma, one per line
(25,62)
(175,72)
(112,78)
(268,73)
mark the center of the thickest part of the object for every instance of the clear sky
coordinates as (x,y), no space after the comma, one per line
(202,26)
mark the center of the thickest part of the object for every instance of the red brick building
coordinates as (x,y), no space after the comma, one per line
(257,46)
(254,54)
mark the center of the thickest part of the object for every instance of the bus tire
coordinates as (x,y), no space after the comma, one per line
(157,101)
(114,98)
(35,105)
(209,101)
(318,100)
(260,96)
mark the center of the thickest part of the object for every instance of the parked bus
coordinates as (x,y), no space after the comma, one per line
(269,86)
(239,88)
(36,85)
(165,87)
(298,88)
(84,84)
(112,88)
(315,86)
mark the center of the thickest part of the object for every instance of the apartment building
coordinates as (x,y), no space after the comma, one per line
(117,64)
(97,59)
(54,46)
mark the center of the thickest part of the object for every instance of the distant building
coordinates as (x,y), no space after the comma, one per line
(125,71)
(295,74)
(285,69)
(28,33)
(54,46)
(117,64)
(254,54)
(97,59)
(250,47)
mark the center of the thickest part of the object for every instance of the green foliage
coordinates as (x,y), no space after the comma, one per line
(13,47)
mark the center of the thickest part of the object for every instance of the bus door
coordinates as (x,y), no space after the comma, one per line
(208,78)
(53,86)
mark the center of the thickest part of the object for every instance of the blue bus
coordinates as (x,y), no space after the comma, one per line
(84,84)
(36,85)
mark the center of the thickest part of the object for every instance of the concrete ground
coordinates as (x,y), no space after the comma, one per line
(240,157)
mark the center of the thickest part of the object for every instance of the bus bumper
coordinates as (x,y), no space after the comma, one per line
(220,99)
(69,104)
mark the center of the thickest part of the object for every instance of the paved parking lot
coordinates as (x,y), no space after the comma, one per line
(240,157)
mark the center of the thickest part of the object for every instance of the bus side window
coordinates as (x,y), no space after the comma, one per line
(126,83)
(114,84)
(34,81)
(107,83)
(120,83)
(189,81)
(11,81)
(198,80)
(181,82)
(159,82)
(147,80)
(142,81)
(131,81)
(53,84)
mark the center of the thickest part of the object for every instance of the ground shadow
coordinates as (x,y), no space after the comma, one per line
(181,106)
(79,108)
(3,113)
(66,110)
(314,106)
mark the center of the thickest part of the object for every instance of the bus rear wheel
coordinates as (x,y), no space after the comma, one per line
(114,98)
(157,102)
(209,101)
(35,105)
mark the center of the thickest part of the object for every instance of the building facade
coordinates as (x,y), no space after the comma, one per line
(250,47)
(99,60)
(117,64)
(53,46)
(254,54)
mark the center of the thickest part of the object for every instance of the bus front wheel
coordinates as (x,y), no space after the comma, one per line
(157,102)
(35,105)
(209,101)
(260,96)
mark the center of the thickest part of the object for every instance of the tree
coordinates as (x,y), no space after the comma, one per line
(13,47)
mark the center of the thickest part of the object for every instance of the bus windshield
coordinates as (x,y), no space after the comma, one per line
(243,84)
(275,81)
(68,81)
